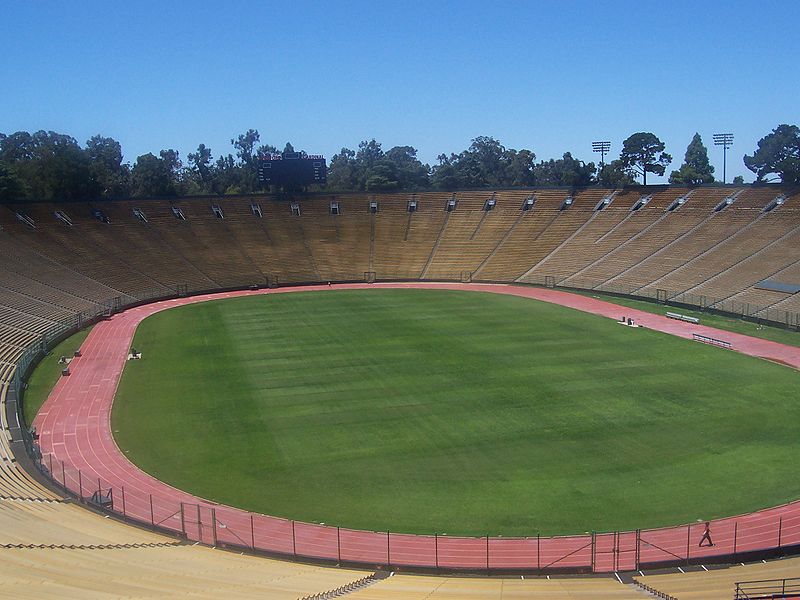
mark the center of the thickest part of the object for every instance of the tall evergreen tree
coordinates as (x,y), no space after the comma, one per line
(695,168)
(778,152)
(643,153)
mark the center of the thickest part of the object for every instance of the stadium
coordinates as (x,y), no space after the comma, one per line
(589,263)
(399,301)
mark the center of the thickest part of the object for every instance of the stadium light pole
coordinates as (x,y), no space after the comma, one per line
(602,148)
(726,141)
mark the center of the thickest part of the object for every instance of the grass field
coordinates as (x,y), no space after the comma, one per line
(46,374)
(456,412)
(766,332)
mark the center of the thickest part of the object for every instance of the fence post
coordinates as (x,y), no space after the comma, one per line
(735,535)
(539,551)
(252,533)
(80,486)
(688,541)
(152,516)
(214,526)
(338,547)
(199,524)
(487,553)
(780,531)
(294,541)
(63,476)
(124,514)
(436,549)
(52,475)
(183,522)
(638,556)
(98,487)
(594,549)
(388,548)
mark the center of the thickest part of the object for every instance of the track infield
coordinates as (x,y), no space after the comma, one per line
(601,403)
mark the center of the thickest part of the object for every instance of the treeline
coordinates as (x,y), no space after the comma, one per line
(46,165)
(486,163)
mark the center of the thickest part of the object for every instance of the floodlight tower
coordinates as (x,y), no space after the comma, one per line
(602,148)
(726,141)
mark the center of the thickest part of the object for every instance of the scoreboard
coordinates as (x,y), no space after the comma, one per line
(292,169)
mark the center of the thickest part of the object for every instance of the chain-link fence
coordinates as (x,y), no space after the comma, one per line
(767,532)
(725,540)
(729,306)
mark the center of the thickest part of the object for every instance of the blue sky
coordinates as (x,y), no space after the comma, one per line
(549,76)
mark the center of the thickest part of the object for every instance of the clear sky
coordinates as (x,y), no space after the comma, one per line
(549,76)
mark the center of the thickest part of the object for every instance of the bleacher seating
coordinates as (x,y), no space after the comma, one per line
(408,587)
(719,584)
(159,571)
(53,271)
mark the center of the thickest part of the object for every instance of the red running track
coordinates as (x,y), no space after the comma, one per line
(79,451)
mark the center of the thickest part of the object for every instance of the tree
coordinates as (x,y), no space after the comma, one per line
(520,170)
(227,176)
(18,154)
(444,176)
(738,180)
(779,153)
(200,168)
(172,162)
(411,173)
(614,175)
(695,168)
(63,168)
(564,171)
(48,165)
(245,144)
(343,171)
(246,170)
(368,155)
(372,169)
(11,187)
(109,174)
(154,176)
(382,177)
(17,147)
(643,153)
(484,163)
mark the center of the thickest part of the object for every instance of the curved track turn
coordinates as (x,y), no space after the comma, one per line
(79,450)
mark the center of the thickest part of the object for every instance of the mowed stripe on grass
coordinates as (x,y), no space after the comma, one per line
(456,412)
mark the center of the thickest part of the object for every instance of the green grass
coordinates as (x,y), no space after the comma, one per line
(45,376)
(775,334)
(456,412)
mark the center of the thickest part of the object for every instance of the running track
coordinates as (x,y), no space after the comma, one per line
(78,447)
